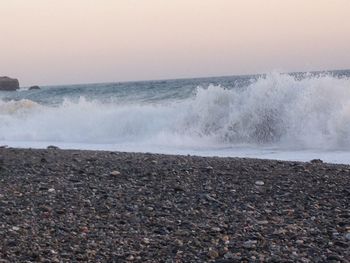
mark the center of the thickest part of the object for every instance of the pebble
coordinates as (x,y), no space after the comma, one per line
(131,258)
(229,255)
(179,242)
(115,173)
(209,168)
(347,236)
(341,244)
(250,243)
(51,190)
(333,258)
(15,228)
(259,183)
(11,243)
(335,234)
(263,222)
(213,254)
(215,229)
(226,239)
(84,229)
(294,254)
(146,241)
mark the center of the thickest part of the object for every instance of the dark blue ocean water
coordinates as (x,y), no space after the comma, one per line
(144,91)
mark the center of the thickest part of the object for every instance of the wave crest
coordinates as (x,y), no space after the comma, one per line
(277,109)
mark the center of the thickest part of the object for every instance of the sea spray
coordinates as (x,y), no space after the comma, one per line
(276,110)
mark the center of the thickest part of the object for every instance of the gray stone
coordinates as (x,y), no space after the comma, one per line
(347,236)
(34,88)
(250,244)
(259,183)
(114,173)
(8,84)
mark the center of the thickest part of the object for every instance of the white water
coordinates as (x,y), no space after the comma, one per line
(276,117)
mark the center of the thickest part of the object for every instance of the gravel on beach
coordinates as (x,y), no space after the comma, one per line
(96,206)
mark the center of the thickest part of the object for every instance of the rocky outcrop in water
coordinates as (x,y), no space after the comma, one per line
(34,88)
(8,84)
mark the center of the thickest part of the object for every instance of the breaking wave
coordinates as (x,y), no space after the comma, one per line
(278,110)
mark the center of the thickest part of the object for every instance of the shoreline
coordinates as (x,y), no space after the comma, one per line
(339,157)
(102,206)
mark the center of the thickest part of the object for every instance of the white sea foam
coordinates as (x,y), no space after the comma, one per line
(276,112)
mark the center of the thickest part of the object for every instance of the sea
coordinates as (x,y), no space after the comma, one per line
(298,116)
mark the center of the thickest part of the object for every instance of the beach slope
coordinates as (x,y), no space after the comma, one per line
(69,206)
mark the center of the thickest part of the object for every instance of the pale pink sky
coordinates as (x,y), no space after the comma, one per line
(81,41)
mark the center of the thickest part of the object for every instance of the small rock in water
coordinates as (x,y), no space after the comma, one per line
(34,88)
(15,228)
(259,183)
(51,190)
(114,173)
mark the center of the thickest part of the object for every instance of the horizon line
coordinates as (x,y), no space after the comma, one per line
(188,78)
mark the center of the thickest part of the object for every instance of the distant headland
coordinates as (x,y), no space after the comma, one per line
(11,84)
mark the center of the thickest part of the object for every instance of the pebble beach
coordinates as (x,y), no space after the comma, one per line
(98,206)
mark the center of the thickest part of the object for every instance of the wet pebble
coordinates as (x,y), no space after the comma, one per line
(213,254)
(347,236)
(259,183)
(114,173)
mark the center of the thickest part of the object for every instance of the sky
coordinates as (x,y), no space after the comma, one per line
(49,42)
